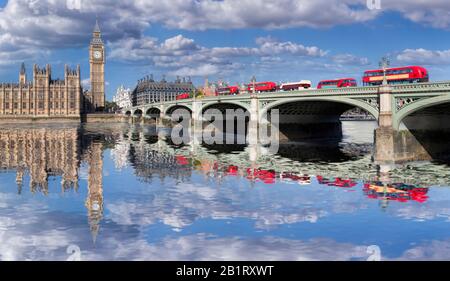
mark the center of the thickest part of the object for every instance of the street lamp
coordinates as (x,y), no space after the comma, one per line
(384,64)
(254,84)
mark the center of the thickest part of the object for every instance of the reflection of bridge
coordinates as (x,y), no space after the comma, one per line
(146,140)
(404,113)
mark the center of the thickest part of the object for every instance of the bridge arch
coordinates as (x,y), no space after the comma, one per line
(170,109)
(234,104)
(351,102)
(138,112)
(128,113)
(302,118)
(235,123)
(153,113)
(423,104)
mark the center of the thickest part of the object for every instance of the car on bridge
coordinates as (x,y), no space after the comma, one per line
(399,75)
(337,83)
(295,86)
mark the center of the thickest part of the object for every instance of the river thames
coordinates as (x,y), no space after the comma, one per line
(120,192)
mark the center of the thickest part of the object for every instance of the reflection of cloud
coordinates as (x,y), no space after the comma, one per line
(29,231)
(83,173)
(204,247)
(437,207)
(119,155)
(181,205)
(19,239)
(431,251)
(29,234)
(425,212)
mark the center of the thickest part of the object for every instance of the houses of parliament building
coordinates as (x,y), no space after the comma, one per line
(43,97)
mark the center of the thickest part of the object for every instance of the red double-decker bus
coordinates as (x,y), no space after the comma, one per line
(295,86)
(408,74)
(337,83)
(227,91)
(261,87)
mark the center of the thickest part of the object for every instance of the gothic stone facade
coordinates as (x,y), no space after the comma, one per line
(43,96)
(95,98)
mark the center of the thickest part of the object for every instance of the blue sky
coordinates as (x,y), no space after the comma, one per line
(284,40)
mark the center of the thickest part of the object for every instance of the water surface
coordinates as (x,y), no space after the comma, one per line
(120,192)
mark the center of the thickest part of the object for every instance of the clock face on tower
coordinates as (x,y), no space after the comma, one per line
(97,54)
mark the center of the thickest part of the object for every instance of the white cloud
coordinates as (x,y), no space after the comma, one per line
(179,43)
(183,56)
(50,23)
(270,46)
(424,57)
(30,29)
(435,13)
(349,59)
(201,70)
(14,51)
(86,83)
(232,14)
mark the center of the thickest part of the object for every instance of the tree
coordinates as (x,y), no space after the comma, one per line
(198,93)
(111,107)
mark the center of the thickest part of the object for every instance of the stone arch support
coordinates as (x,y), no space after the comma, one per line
(417,106)
(237,103)
(169,109)
(357,102)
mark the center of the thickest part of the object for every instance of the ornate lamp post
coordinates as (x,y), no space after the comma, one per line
(254,85)
(384,64)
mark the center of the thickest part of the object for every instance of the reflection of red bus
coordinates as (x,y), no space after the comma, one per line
(262,87)
(183,96)
(225,91)
(295,86)
(181,160)
(300,179)
(232,171)
(338,182)
(396,192)
(337,83)
(408,74)
(266,176)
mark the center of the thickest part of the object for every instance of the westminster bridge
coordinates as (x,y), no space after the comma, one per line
(412,118)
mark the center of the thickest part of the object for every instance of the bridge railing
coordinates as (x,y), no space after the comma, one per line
(422,87)
(366,90)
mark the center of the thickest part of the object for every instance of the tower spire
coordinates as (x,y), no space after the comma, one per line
(22,69)
(23,74)
(97,34)
(97,27)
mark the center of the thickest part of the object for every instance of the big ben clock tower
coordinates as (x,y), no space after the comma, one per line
(97,64)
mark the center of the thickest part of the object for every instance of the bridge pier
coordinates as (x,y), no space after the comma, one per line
(391,145)
(196,123)
(160,121)
(253,125)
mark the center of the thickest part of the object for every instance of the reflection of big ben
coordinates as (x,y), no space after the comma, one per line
(97,64)
(94,202)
